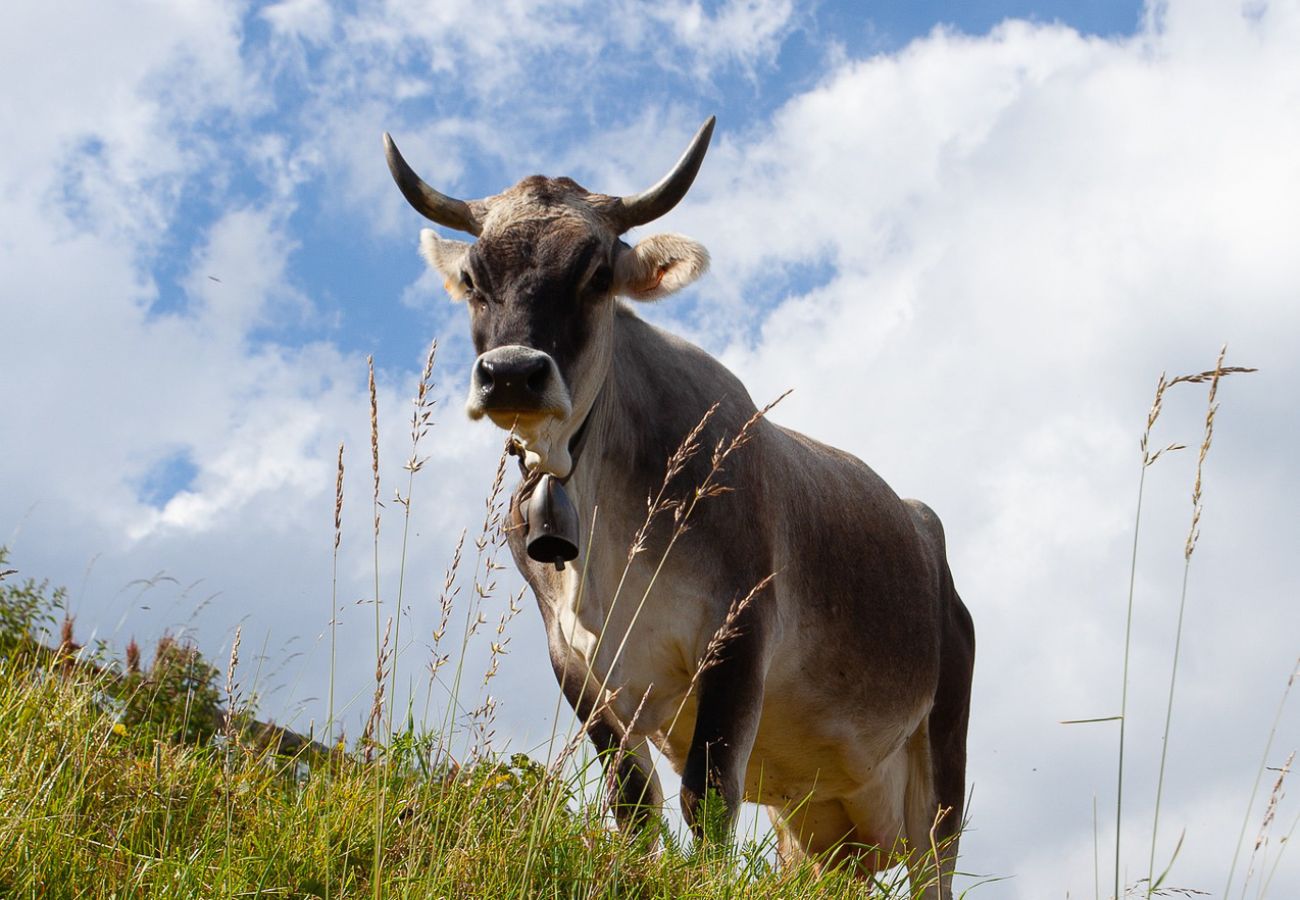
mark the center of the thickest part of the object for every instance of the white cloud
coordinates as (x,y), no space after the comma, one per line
(745,32)
(1022,231)
(97,119)
(308,19)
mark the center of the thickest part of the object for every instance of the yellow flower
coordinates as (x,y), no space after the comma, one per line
(119,729)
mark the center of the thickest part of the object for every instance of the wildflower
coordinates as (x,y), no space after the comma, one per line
(119,729)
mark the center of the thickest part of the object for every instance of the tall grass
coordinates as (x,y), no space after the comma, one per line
(1154,884)
(98,802)
(93,807)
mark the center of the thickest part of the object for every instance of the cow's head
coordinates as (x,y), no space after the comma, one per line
(541,282)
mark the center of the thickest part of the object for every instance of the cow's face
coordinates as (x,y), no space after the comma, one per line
(540,285)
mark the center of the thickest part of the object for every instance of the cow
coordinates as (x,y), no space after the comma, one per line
(802,646)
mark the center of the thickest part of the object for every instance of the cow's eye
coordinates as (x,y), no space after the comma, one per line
(599,283)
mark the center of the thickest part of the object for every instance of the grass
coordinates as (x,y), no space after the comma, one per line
(1156,884)
(89,808)
(122,781)
(134,781)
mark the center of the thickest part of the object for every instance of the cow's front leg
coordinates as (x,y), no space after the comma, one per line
(634,792)
(729,696)
(635,795)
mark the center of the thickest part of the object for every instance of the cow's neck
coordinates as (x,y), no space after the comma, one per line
(657,389)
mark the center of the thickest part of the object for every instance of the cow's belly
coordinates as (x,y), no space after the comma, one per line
(807,746)
(834,715)
(810,744)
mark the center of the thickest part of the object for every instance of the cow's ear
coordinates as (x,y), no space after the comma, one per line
(659,266)
(448,259)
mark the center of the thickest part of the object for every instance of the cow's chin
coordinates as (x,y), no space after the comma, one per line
(522,422)
(544,437)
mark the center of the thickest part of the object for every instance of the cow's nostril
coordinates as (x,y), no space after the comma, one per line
(485,378)
(537,377)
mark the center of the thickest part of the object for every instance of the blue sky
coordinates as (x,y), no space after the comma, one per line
(351,274)
(968,235)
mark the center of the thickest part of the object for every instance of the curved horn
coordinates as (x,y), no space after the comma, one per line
(431,204)
(649,205)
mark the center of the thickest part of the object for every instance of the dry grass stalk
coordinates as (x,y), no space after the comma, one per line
(232,735)
(338,501)
(488,544)
(446,600)
(374,470)
(660,503)
(374,436)
(1163,384)
(655,506)
(711,487)
(421,422)
(1213,376)
(1148,459)
(334,590)
(579,735)
(682,510)
(611,771)
(1152,415)
(1259,774)
(370,736)
(422,412)
(729,630)
(1270,812)
(940,814)
(1212,407)
(370,733)
(483,721)
(498,647)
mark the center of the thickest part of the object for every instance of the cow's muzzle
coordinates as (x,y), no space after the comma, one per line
(516,381)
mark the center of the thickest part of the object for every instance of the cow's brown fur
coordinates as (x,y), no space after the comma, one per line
(841,702)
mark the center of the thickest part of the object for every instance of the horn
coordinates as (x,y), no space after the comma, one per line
(552,524)
(649,205)
(431,204)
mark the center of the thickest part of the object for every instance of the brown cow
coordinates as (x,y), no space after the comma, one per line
(840,701)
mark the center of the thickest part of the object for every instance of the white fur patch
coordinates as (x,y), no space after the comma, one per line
(660,265)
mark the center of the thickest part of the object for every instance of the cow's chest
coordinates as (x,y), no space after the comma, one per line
(632,639)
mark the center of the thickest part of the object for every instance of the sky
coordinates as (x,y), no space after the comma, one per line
(969,236)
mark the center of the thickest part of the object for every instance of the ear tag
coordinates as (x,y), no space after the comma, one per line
(552,524)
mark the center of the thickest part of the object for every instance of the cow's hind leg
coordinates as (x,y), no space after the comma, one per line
(936,791)
(824,831)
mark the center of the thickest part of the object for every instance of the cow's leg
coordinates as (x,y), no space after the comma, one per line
(729,697)
(937,786)
(635,794)
(827,831)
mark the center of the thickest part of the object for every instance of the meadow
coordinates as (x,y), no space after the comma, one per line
(127,779)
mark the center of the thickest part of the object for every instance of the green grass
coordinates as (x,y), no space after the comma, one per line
(88,809)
